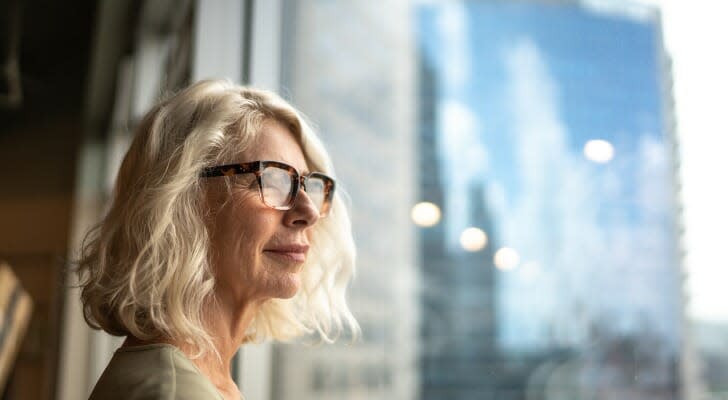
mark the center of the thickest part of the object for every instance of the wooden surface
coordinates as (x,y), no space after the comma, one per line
(15,311)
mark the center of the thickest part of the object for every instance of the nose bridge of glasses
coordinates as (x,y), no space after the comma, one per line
(303,179)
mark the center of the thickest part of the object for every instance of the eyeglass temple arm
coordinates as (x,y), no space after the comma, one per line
(230,170)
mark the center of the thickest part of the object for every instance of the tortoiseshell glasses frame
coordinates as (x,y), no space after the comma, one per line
(276,193)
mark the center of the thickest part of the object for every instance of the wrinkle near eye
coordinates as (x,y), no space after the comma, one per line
(247,187)
(247,181)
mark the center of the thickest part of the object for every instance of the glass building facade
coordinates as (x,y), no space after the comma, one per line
(544,126)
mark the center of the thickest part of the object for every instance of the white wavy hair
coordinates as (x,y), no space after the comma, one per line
(145,268)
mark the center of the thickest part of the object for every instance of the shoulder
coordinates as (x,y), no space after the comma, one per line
(152,372)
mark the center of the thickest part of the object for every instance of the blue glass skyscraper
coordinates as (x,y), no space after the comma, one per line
(549,118)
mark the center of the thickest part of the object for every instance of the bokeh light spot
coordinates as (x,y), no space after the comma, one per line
(473,239)
(599,151)
(425,214)
(506,258)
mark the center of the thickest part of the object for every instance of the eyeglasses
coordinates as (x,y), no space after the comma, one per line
(278,183)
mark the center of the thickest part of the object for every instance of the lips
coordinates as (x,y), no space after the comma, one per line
(290,253)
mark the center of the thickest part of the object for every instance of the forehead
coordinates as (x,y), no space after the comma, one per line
(275,142)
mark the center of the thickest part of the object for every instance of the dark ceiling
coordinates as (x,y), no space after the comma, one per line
(39,138)
(53,47)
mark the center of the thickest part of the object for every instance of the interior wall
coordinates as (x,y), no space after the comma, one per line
(38,147)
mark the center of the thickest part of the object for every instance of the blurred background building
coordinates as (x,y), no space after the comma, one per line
(512,166)
(565,141)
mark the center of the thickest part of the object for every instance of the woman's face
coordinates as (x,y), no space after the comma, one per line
(257,251)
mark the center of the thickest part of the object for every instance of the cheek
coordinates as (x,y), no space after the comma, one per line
(249,233)
(247,236)
(248,219)
(241,230)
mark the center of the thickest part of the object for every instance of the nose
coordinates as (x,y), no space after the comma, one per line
(304,212)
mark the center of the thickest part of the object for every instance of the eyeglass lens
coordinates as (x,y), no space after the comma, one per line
(315,190)
(277,185)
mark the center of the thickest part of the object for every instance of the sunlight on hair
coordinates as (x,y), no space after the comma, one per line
(145,269)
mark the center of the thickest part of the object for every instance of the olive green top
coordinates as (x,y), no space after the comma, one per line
(153,372)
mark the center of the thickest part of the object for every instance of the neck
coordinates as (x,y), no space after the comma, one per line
(228,330)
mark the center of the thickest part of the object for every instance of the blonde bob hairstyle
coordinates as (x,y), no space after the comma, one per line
(145,268)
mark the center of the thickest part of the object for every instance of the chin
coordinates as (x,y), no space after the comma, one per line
(288,286)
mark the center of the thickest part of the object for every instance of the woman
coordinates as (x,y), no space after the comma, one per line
(224,228)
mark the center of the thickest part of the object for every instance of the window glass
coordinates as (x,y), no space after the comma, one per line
(511,170)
